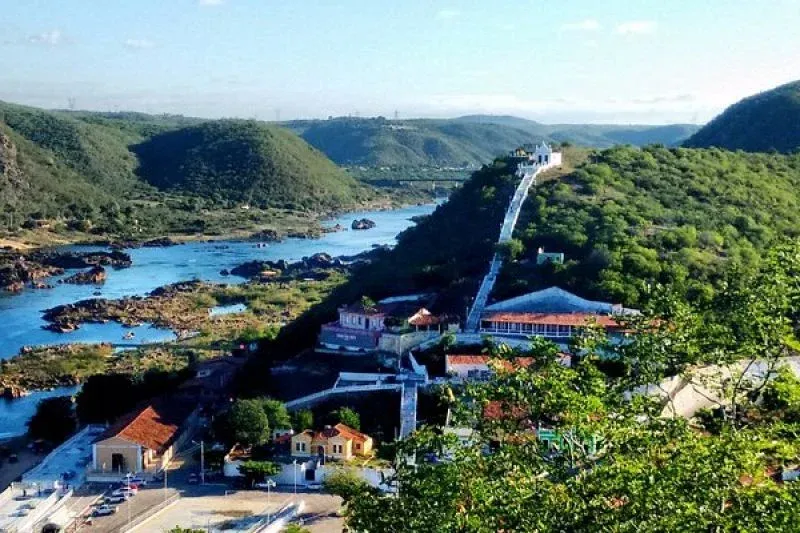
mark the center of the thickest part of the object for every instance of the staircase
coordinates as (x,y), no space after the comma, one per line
(506,232)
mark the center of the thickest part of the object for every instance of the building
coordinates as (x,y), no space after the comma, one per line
(212,380)
(476,367)
(393,325)
(146,439)
(338,442)
(542,257)
(530,157)
(552,313)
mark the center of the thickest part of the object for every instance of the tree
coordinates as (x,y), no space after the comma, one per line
(510,250)
(302,419)
(248,422)
(347,484)
(257,471)
(54,419)
(346,416)
(104,397)
(277,415)
(295,528)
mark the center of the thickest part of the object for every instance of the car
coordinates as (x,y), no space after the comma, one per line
(268,484)
(23,512)
(115,499)
(123,492)
(314,486)
(104,510)
(138,481)
(130,486)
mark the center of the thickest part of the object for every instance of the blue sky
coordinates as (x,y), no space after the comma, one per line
(648,61)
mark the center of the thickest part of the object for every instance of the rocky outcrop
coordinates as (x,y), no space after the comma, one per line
(69,260)
(267,235)
(11,391)
(16,271)
(95,275)
(363,224)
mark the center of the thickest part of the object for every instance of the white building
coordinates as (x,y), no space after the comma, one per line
(529,158)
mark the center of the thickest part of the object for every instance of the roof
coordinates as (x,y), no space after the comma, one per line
(556,300)
(155,426)
(423,317)
(553,319)
(397,308)
(484,360)
(339,429)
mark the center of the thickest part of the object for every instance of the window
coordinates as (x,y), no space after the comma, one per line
(563,331)
(297,446)
(552,330)
(540,330)
(358,446)
(527,328)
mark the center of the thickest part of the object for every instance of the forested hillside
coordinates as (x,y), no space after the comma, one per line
(760,123)
(464,141)
(112,173)
(632,218)
(246,161)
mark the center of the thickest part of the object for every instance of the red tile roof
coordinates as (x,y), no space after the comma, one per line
(484,360)
(155,426)
(423,317)
(339,429)
(553,319)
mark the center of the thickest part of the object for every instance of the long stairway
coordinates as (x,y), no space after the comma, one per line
(506,231)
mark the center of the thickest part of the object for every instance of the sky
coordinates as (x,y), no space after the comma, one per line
(556,61)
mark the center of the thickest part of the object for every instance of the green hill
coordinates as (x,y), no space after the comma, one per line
(113,172)
(760,123)
(463,141)
(245,161)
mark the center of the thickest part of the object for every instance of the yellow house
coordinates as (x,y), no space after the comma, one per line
(338,442)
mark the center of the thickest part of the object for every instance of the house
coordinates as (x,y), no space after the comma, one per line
(212,379)
(476,367)
(393,325)
(542,257)
(552,313)
(146,439)
(337,442)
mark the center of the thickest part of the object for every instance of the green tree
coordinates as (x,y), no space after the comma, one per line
(257,471)
(277,415)
(248,422)
(346,416)
(510,250)
(54,420)
(302,419)
(346,484)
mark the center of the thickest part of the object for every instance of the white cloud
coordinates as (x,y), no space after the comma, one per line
(636,27)
(448,14)
(139,44)
(48,38)
(210,2)
(583,25)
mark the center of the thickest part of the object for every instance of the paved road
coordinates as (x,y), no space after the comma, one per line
(144,500)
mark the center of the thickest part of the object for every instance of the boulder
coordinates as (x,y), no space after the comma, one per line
(95,275)
(363,224)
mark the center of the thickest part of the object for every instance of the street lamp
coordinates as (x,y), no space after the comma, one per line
(270,484)
(202,462)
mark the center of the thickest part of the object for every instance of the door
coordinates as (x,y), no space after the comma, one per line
(117,462)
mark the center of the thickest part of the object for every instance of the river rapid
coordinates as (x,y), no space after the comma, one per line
(20,314)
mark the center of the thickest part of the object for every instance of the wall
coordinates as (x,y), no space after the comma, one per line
(103,451)
(399,344)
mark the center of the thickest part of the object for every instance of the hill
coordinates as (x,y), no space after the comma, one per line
(626,219)
(760,123)
(123,173)
(461,142)
(245,161)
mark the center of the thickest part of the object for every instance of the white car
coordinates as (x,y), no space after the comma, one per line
(104,510)
(314,486)
(124,492)
(268,484)
(115,499)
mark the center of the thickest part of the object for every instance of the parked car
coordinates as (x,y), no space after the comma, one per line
(115,499)
(123,492)
(314,486)
(268,484)
(104,510)
(131,486)
(138,481)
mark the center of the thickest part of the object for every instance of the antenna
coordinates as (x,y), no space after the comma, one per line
(395,114)
(71,103)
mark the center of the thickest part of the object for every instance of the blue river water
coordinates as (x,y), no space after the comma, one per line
(20,314)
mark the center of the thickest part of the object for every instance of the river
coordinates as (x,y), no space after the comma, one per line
(20,314)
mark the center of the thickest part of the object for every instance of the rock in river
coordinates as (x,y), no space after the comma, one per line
(364,223)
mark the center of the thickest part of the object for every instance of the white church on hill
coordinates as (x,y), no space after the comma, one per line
(529,157)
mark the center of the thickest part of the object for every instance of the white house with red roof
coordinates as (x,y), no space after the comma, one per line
(552,313)
(477,367)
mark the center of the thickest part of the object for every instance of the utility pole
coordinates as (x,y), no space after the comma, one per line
(202,464)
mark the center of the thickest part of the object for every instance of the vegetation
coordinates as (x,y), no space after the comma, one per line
(620,463)
(302,419)
(346,416)
(136,176)
(248,423)
(54,420)
(462,143)
(764,122)
(257,471)
(346,483)
(632,218)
